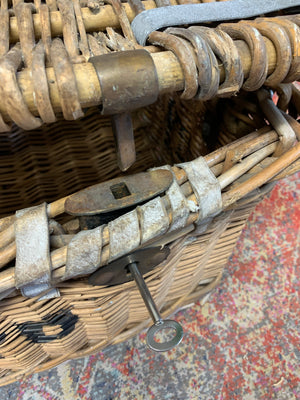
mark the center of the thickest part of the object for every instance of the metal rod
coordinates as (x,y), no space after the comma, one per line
(144,291)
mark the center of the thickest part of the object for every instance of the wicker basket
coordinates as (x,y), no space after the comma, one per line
(244,143)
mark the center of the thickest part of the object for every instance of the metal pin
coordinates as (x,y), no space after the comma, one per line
(132,266)
(124,136)
(159,323)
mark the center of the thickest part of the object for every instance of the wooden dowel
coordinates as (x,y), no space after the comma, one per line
(248,148)
(7,281)
(290,170)
(8,254)
(239,169)
(169,72)
(6,222)
(56,207)
(7,235)
(219,155)
(262,177)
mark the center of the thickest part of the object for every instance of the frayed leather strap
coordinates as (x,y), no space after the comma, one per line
(33,264)
(205,186)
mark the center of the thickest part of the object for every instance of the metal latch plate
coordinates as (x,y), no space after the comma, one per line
(117,272)
(119,193)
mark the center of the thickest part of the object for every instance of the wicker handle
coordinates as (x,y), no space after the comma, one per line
(58,78)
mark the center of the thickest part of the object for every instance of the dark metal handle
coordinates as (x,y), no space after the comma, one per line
(187,14)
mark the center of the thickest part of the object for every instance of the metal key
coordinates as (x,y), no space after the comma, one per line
(130,266)
(159,323)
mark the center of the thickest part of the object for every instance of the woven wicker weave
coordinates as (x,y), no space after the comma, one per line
(244,140)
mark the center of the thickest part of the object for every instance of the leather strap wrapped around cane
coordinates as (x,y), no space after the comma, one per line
(33,265)
(179,205)
(205,186)
(124,233)
(84,253)
(153,218)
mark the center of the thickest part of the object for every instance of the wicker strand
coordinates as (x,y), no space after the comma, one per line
(83,43)
(96,48)
(183,52)
(123,19)
(200,83)
(40,85)
(293,32)
(69,30)
(285,131)
(26,29)
(223,48)
(44,13)
(37,4)
(11,93)
(137,6)
(4,31)
(52,5)
(66,81)
(254,39)
(281,41)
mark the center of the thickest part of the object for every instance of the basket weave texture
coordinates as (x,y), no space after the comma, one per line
(60,143)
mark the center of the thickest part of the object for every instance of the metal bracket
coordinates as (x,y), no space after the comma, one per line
(119,193)
(188,14)
(117,272)
(128,80)
(124,136)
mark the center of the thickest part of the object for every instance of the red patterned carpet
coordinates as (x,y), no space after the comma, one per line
(242,343)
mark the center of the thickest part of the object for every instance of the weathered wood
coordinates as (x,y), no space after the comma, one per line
(40,85)
(4,32)
(83,42)
(13,101)
(66,82)
(70,34)
(46,30)
(27,40)
(170,78)
(262,177)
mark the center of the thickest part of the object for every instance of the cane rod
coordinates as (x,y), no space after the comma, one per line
(169,73)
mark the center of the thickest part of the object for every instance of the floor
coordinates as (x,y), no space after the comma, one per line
(242,343)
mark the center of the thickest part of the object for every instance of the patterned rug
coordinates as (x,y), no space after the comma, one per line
(240,343)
